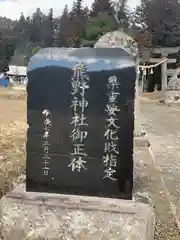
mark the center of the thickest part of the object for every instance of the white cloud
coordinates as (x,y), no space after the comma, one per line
(13,8)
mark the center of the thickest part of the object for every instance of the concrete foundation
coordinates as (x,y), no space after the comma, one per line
(55,216)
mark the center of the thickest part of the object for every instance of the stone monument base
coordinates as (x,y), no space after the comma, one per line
(55,216)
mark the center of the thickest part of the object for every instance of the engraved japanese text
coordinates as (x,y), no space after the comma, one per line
(111,130)
(46,145)
(79,103)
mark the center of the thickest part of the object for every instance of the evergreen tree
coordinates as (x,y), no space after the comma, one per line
(4,54)
(37,27)
(61,32)
(48,27)
(122,13)
(77,22)
(101,6)
(77,9)
(86,12)
(161,19)
(154,21)
(21,31)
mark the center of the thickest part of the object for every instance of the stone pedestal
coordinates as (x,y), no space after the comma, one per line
(173,89)
(55,216)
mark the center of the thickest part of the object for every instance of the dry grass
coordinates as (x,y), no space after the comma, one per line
(12,136)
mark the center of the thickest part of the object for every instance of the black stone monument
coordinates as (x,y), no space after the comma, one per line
(80,112)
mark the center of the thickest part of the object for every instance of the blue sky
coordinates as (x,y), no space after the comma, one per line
(13,8)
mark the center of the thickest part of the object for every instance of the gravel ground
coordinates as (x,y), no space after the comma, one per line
(163,129)
(148,186)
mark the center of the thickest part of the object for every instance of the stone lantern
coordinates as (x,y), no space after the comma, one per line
(173,88)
